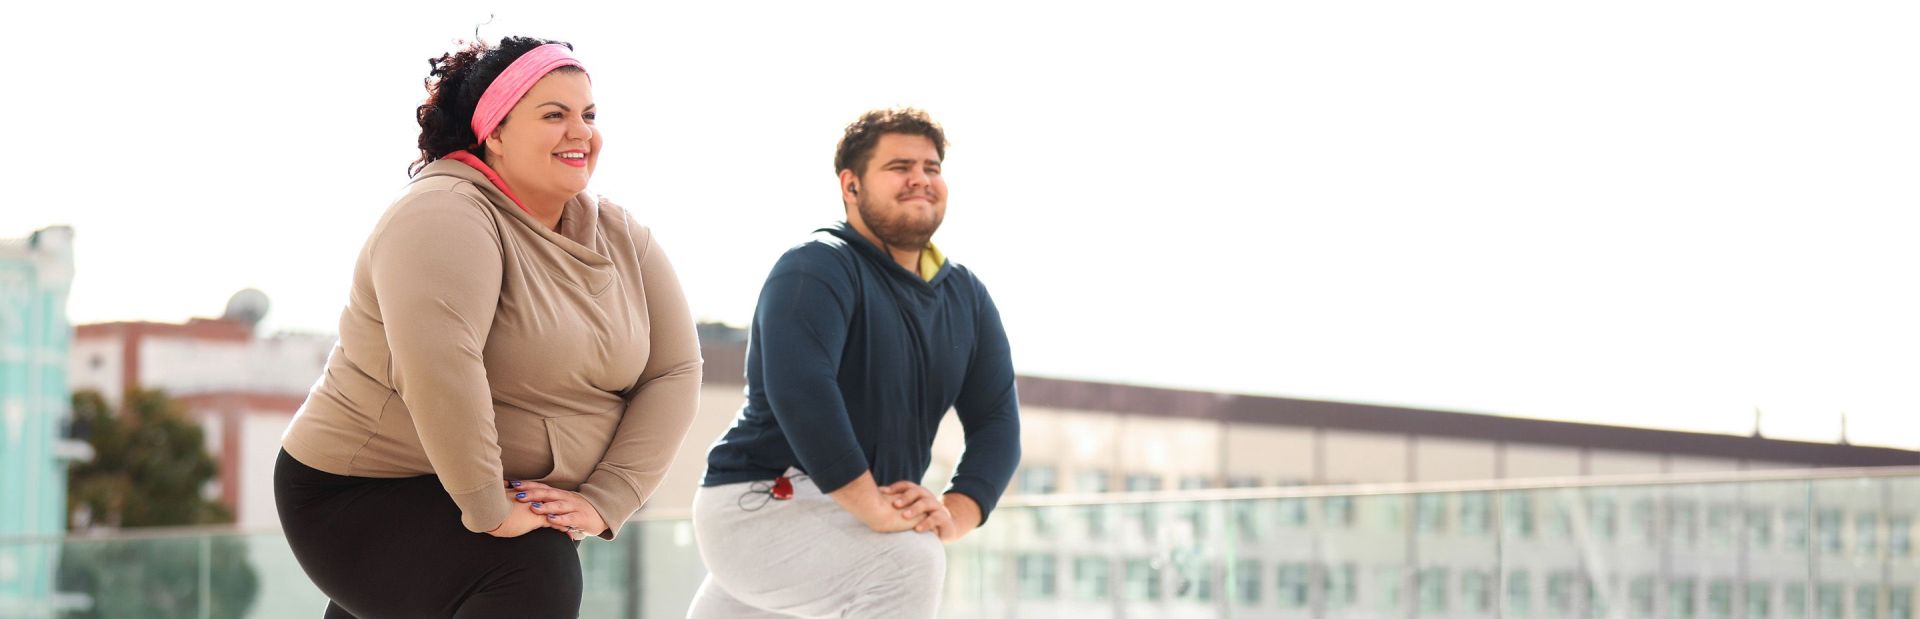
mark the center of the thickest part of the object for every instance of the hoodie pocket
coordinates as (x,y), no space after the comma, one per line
(578,443)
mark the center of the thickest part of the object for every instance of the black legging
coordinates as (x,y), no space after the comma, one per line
(383,548)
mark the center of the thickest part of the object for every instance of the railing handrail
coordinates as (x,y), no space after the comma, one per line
(1169,496)
(1451,487)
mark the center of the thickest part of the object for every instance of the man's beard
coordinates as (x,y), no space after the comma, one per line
(899,232)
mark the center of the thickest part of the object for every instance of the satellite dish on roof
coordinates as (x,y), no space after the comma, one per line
(247,306)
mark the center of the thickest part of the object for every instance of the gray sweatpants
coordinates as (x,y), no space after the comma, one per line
(807,557)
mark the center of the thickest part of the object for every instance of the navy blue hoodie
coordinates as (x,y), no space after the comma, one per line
(852,362)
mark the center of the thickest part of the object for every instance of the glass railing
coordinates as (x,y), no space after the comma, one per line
(1826,544)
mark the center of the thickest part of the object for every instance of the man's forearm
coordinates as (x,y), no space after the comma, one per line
(966,511)
(861,497)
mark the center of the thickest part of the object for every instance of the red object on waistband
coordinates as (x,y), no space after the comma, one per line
(782,488)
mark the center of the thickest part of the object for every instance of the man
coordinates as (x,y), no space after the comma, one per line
(863,338)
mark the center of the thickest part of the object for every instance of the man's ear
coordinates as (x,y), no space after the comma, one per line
(849,187)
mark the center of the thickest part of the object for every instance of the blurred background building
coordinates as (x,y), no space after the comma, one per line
(242,386)
(1090,437)
(1131,501)
(36,438)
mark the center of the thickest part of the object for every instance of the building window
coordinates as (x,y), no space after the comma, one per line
(1832,538)
(1866,602)
(1196,580)
(1560,593)
(1143,580)
(1433,590)
(1597,605)
(1900,603)
(1147,514)
(1430,513)
(1604,519)
(1091,578)
(1476,591)
(1680,599)
(1196,482)
(1195,513)
(1831,601)
(1246,519)
(1642,521)
(1390,583)
(1476,516)
(1339,511)
(1793,600)
(1043,519)
(1246,582)
(1243,481)
(1759,600)
(1866,535)
(1640,596)
(1759,527)
(1560,523)
(1296,579)
(1899,536)
(1094,518)
(1392,510)
(1682,525)
(1518,517)
(1720,526)
(1720,600)
(1291,512)
(1039,479)
(1036,575)
(1341,588)
(1092,481)
(1793,530)
(1519,593)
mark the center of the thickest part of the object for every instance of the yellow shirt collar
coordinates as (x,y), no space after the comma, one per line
(930,261)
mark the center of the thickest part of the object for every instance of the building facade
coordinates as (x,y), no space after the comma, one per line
(242,387)
(1374,530)
(1088,437)
(35,407)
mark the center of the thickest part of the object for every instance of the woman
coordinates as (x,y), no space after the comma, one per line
(516,363)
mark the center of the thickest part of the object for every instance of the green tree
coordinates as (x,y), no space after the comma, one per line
(149,465)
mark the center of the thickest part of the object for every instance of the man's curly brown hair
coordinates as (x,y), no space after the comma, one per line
(856,147)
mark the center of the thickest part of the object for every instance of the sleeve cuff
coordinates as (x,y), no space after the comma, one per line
(482,510)
(611,496)
(981,494)
(839,472)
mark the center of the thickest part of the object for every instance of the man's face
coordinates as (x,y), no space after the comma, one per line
(902,195)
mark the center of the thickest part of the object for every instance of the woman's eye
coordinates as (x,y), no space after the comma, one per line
(590,116)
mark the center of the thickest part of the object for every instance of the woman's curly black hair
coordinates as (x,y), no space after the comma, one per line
(454,86)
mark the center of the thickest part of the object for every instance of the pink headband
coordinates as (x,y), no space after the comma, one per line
(514,82)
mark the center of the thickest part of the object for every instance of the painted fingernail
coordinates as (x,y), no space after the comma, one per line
(536,503)
(514,484)
(551,516)
(520,496)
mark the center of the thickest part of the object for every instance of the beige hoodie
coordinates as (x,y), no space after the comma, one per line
(479,346)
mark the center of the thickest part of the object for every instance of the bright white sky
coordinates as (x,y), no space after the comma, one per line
(1635,212)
